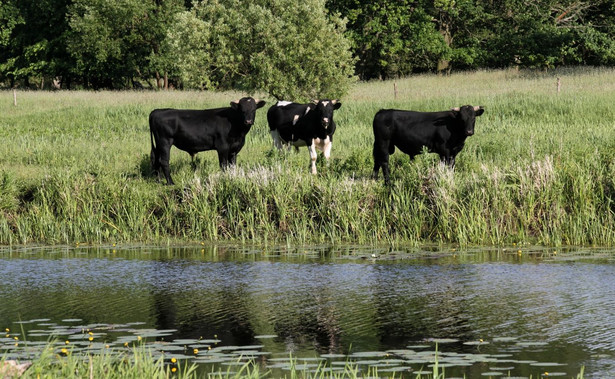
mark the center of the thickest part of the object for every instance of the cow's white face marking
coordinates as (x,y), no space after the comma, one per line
(295,119)
(326,120)
(283,103)
(325,103)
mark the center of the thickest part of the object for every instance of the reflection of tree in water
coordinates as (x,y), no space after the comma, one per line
(409,310)
(315,322)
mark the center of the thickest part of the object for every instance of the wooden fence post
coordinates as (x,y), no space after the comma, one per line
(14,97)
(559,85)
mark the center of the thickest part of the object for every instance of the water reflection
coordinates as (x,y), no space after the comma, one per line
(328,301)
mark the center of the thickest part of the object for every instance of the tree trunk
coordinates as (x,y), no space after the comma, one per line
(157,80)
(444,65)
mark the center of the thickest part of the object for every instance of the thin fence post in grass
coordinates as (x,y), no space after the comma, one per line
(395,90)
(559,85)
(14,97)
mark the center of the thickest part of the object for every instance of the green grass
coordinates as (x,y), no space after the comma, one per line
(74,167)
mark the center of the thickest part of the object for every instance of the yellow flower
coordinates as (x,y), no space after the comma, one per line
(139,338)
(173,360)
(173,369)
(196,351)
(91,338)
(64,351)
(126,344)
(7,330)
(90,333)
(66,342)
(16,338)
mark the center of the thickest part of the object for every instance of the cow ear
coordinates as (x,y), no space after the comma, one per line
(235,104)
(336,104)
(456,109)
(260,103)
(479,110)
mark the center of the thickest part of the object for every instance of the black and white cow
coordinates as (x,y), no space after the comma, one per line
(443,133)
(220,129)
(308,125)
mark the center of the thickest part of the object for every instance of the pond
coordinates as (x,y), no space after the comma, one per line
(516,311)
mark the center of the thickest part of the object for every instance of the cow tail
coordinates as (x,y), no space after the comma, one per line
(152,154)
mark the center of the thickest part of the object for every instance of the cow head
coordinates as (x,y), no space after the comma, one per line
(324,110)
(247,106)
(467,116)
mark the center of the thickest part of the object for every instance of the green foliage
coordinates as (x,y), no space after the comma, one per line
(290,50)
(33,46)
(390,38)
(396,38)
(9,19)
(287,49)
(115,41)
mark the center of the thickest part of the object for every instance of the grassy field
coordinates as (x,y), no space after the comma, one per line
(74,168)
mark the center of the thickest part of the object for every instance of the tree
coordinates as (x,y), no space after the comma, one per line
(549,33)
(115,41)
(391,38)
(290,50)
(32,46)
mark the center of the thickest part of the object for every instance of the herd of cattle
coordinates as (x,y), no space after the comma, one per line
(311,125)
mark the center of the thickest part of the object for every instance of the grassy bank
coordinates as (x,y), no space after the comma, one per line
(74,167)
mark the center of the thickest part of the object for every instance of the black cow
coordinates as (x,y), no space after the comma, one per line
(308,125)
(443,133)
(221,129)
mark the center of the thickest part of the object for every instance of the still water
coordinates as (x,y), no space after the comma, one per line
(516,312)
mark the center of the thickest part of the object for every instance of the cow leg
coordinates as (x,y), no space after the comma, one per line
(327,149)
(193,161)
(223,158)
(164,154)
(153,157)
(381,160)
(448,160)
(313,156)
(233,158)
(277,140)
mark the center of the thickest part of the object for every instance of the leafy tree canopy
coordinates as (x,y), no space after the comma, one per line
(290,50)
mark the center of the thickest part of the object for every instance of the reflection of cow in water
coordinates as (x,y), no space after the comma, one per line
(316,325)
